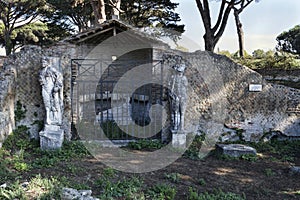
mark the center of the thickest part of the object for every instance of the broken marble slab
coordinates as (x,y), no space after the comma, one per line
(235,150)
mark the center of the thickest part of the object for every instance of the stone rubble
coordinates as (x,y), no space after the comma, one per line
(72,194)
(295,169)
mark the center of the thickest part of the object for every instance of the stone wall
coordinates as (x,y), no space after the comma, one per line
(219,103)
(26,64)
(234,111)
(7,99)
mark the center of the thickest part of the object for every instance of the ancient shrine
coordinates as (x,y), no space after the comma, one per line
(116,83)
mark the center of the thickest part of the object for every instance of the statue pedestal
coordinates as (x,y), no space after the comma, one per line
(178,139)
(51,137)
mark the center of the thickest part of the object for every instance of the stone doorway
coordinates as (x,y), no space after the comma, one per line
(116,115)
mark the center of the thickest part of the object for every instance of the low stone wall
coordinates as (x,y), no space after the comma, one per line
(231,110)
(7,100)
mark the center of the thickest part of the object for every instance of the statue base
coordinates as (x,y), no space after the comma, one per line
(178,139)
(51,138)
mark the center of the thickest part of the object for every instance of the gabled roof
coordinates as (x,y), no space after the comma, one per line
(110,28)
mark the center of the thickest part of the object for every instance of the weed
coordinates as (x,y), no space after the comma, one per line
(249,157)
(202,182)
(287,158)
(18,139)
(70,150)
(269,172)
(161,192)
(225,157)
(13,191)
(45,188)
(124,188)
(73,168)
(21,166)
(216,195)
(20,112)
(37,188)
(281,150)
(174,177)
(6,174)
(193,152)
(39,123)
(109,172)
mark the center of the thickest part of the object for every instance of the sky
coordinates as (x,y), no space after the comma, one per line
(262,23)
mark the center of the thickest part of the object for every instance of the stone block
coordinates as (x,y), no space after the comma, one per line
(51,137)
(295,169)
(179,140)
(235,150)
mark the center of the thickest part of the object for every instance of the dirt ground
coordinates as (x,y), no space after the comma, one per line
(265,178)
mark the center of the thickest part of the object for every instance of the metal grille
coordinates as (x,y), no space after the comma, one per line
(121,116)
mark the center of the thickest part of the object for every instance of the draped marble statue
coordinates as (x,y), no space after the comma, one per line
(52,136)
(177,94)
(52,92)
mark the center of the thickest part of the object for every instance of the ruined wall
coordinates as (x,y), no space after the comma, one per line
(231,105)
(219,101)
(7,99)
(26,64)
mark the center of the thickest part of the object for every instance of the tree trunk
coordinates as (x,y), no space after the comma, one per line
(116,7)
(213,34)
(240,32)
(8,43)
(99,11)
(209,41)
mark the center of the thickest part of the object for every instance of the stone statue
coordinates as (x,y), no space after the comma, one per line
(52,92)
(177,94)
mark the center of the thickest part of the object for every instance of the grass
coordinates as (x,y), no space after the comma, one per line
(121,188)
(161,192)
(284,151)
(216,195)
(23,169)
(195,141)
(36,188)
(173,177)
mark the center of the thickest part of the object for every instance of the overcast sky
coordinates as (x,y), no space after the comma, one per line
(262,23)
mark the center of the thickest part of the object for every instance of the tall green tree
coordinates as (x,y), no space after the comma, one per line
(151,13)
(158,14)
(289,41)
(139,13)
(15,14)
(70,15)
(36,33)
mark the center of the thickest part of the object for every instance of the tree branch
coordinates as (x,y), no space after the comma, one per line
(221,11)
(224,21)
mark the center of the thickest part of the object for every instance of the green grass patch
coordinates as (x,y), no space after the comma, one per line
(37,188)
(161,192)
(216,195)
